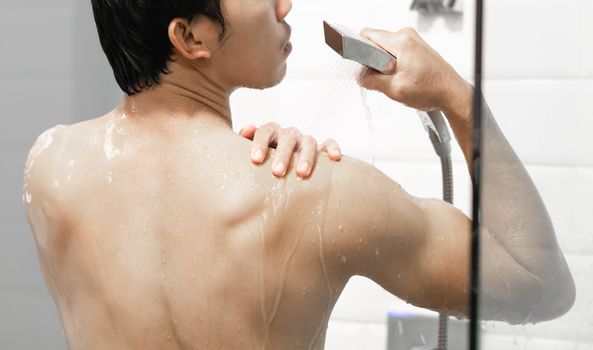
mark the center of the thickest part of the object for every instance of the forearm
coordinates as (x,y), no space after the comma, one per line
(512,208)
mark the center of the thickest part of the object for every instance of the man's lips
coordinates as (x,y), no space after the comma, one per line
(288,47)
(287,44)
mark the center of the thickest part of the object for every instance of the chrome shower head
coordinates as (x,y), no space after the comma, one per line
(354,47)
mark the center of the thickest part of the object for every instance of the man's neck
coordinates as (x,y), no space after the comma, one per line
(184,93)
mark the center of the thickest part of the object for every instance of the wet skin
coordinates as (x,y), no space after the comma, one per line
(156,231)
(147,243)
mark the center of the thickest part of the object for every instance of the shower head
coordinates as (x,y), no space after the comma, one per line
(354,47)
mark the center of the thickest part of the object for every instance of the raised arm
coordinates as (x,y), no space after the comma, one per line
(525,275)
(418,249)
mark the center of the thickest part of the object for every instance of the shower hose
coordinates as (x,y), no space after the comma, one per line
(434,123)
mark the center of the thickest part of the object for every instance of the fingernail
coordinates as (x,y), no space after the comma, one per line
(279,168)
(304,168)
(258,155)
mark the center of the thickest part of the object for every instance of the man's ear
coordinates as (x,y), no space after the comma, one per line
(191,39)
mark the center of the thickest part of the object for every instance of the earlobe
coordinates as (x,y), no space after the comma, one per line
(186,40)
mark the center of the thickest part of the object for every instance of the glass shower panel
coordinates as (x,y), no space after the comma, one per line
(537,176)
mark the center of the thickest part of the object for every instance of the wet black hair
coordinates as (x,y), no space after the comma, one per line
(134,35)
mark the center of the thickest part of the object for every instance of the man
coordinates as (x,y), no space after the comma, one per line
(155,231)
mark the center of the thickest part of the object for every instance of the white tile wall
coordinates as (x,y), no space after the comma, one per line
(540,86)
(547,120)
(356,335)
(568,194)
(586,38)
(532,39)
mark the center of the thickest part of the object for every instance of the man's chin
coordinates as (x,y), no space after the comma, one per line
(269,83)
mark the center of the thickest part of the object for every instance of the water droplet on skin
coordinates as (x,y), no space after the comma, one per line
(222,187)
(193,276)
(109,177)
(164,261)
(162,276)
(110,150)
(340,228)
(28,198)
(377,253)
(344,259)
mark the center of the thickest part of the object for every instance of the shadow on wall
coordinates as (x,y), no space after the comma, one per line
(95,91)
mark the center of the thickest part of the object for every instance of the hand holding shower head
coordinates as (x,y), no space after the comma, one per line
(354,47)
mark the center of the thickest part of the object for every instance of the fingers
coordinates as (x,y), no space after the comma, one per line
(248,132)
(287,143)
(387,84)
(332,148)
(264,137)
(307,156)
(390,41)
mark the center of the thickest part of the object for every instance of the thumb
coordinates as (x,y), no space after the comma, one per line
(388,41)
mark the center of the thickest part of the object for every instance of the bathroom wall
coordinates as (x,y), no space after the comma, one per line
(539,85)
(36,80)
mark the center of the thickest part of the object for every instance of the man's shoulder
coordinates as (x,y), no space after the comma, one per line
(51,152)
(45,148)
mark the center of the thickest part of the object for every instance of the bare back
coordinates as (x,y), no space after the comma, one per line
(153,237)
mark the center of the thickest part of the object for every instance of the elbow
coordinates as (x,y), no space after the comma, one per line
(558,296)
(535,299)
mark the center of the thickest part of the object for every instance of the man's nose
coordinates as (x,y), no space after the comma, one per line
(283,8)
